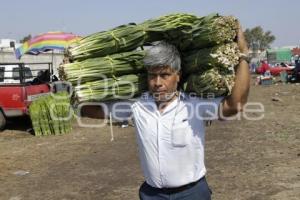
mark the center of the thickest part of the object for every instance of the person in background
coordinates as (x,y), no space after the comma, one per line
(264,67)
(283,65)
(296,71)
(253,67)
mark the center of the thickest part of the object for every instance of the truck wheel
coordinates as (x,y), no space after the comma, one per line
(2,121)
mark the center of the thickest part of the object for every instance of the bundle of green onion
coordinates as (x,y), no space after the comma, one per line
(209,31)
(105,67)
(123,87)
(208,50)
(211,83)
(189,32)
(50,115)
(120,39)
(168,27)
(170,22)
(221,56)
(104,60)
(186,31)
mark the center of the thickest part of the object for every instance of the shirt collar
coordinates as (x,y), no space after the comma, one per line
(147,96)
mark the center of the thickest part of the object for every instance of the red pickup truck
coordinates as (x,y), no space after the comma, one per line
(20,84)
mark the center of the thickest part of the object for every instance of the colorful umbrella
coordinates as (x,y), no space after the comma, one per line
(45,42)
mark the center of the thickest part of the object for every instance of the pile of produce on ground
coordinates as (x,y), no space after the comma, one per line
(50,114)
(102,63)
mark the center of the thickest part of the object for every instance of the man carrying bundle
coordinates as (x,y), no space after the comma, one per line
(170,126)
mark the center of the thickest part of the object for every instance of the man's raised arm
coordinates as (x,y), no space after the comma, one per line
(234,103)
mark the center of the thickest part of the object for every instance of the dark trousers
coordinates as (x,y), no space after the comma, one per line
(198,191)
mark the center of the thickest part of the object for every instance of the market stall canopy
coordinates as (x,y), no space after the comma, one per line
(45,42)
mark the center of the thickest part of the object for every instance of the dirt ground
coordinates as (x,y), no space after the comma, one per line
(246,160)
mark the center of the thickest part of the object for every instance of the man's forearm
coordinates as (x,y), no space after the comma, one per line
(234,103)
(242,82)
(240,90)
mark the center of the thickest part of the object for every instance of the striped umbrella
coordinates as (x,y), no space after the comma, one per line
(45,42)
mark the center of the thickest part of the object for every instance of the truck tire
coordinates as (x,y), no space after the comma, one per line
(2,121)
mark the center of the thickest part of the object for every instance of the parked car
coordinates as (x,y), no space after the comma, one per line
(276,70)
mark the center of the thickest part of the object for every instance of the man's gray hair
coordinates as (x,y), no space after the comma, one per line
(162,54)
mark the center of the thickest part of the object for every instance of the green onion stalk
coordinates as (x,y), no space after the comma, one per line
(211,83)
(34,115)
(189,32)
(50,114)
(168,27)
(120,39)
(123,87)
(223,56)
(105,67)
(209,31)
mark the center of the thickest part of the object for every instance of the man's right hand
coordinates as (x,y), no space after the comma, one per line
(241,41)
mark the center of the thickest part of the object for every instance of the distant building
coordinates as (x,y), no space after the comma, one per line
(276,55)
(9,44)
(279,55)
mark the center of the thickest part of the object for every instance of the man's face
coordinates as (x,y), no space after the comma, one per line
(162,83)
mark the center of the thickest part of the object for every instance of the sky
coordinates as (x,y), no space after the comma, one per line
(19,18)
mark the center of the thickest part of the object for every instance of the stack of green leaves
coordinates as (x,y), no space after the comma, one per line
(209,31)
(50,114)
(169,27)
(211,83)
(210,55)
(208,48)
(189,32)
(120,39)
(105,67)
(186,31)
(123,87)
(222,56)
(100,61)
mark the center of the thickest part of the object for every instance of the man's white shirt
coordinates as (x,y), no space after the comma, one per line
(171,143)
